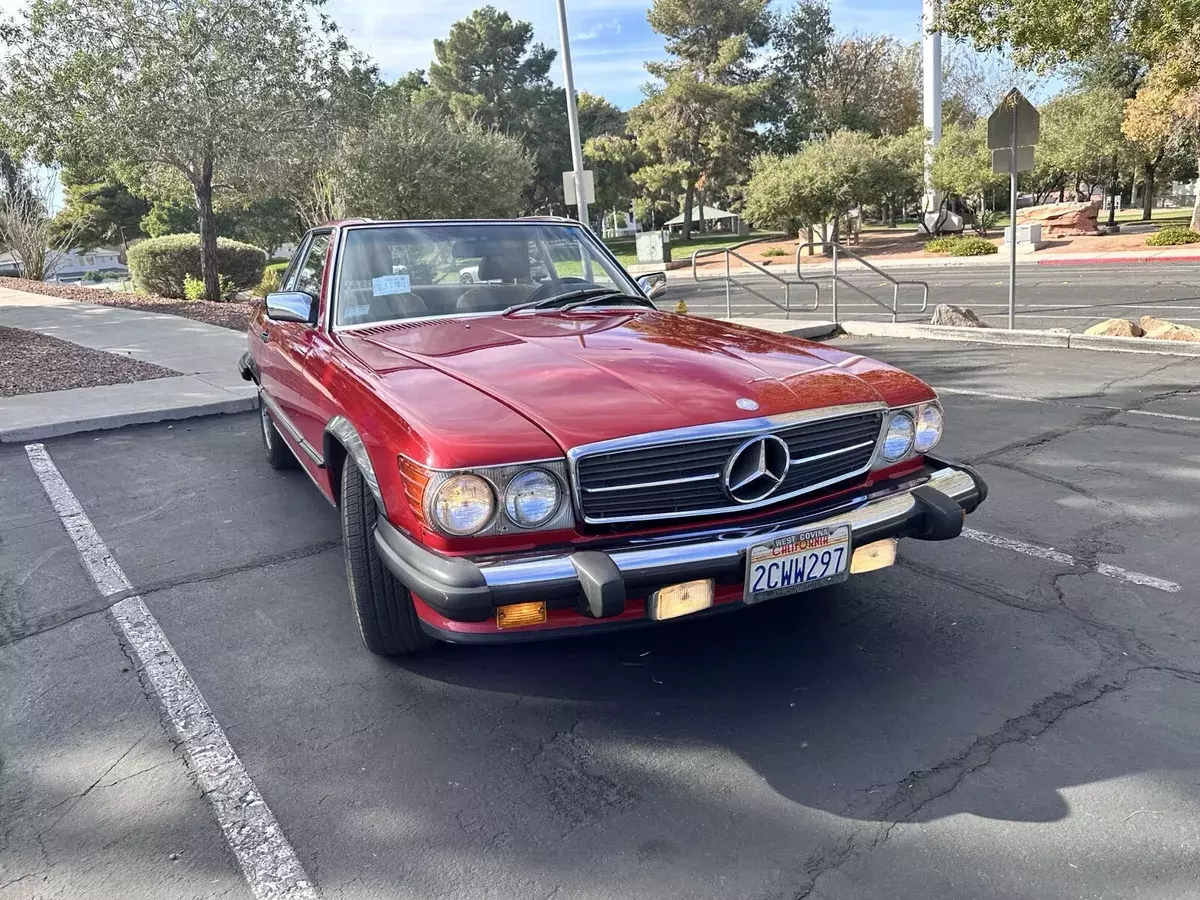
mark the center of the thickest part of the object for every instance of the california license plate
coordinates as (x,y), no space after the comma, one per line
(796,562)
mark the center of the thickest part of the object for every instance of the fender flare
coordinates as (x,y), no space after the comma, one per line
(339,427)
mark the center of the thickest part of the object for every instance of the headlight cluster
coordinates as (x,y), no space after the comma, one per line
(496,500)
(911,429)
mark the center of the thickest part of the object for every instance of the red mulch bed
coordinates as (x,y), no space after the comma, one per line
(32,363)
(234,314)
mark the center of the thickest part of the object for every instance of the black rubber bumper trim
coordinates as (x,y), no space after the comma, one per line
(248,367)
(453,586)
(456,588)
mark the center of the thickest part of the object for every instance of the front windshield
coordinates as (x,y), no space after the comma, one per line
(392,272)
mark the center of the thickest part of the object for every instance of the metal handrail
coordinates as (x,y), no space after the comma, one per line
(728,252)
(894,309)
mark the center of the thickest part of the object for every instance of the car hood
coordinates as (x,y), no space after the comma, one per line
(584,377)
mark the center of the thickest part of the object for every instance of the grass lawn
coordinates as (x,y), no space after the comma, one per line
(625,249)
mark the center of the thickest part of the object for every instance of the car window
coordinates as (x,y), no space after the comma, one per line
(392,272)
(311,271)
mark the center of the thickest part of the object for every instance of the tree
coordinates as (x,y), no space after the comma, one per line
(100,209)
(414,163)
(210,97)
(28,231)
(597,116)
(613,159)
(700,119)
(800,41)
(869,83)
(814,187)
(1166,110)
(962,165)
(896,177)
(1047,34)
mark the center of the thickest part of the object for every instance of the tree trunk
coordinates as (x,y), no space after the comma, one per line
(689,198)
(208,233)
(1196,208)
(1148,190)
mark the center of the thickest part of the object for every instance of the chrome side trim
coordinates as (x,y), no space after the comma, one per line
(347,435)
(649,484)
(717,431)
(292,430)
(520,462)
(729,545)
(817,456)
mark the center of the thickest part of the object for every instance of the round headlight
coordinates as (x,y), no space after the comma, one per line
(531,498)
(929,428)
(899,438)
(463,504)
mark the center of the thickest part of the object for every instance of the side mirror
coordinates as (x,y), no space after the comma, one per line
(292,306)
(653,285)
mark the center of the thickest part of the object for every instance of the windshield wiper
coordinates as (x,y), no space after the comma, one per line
(545,302)
(625,298)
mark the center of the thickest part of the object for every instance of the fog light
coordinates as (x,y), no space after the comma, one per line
(516,614)
(877,555)
(680,599)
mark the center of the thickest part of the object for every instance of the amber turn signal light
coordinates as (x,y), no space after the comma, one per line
(873,556)
(516,614)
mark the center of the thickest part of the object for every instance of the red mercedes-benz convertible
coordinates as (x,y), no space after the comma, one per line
(541,452)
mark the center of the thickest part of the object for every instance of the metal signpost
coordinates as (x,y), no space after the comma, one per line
(1013,128)
(581,198)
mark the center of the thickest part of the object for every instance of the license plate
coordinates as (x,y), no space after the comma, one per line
(796,562)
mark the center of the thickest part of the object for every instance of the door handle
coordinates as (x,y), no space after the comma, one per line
(264,336)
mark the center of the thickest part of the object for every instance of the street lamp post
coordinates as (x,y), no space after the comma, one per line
(572,113)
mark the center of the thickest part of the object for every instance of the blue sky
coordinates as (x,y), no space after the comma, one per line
(610,39)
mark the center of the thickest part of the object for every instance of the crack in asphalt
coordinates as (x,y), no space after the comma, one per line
(920,788)
(12,633)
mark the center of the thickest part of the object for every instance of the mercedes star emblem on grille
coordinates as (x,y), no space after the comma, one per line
(756,468)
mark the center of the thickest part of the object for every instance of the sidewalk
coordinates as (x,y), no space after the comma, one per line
(818,266)
(205,356)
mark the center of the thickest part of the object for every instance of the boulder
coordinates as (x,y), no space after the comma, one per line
(1170,331)
(1150,323)
(1059,219)
(945,314)
(1116,328)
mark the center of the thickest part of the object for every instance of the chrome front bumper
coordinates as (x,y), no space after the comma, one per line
(929,505)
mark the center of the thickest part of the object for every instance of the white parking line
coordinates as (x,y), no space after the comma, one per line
(1065,559)
(267,859)
(1018,399)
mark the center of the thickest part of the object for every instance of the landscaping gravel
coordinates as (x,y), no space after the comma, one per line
(31,363)
(234,314)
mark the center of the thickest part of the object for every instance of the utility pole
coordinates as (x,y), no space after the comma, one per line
(572,113)
(931,77)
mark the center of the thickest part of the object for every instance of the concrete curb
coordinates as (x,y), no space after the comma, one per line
(1021,338)
(62,428)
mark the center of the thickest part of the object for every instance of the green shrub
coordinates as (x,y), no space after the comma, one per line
(774,251)
(279,267)
(941,244)
(161,265)
(271,280)
(1173,235)
(972,246)
(193,288)
(91,276)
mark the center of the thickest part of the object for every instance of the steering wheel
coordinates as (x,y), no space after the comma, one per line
(543,290)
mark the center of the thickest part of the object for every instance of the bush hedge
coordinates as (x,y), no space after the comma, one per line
(1173,235)
(161,265)
(973,246)
(957,245)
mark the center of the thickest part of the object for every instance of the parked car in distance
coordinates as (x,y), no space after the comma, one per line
(530,457)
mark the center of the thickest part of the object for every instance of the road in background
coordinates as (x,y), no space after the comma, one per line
(1072,297)
(1014,708)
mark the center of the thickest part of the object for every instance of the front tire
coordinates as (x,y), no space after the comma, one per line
(278,454)
(383,607)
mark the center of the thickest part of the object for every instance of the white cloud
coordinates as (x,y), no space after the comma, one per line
(597,29)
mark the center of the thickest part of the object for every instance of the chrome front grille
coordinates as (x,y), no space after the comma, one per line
(681,473)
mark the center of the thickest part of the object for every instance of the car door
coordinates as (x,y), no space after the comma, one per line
(284,376)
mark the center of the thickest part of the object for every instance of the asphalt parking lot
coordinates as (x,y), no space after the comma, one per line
(1058,296)
(1012,714)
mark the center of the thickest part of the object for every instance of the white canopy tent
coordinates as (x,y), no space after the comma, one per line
(725,221)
